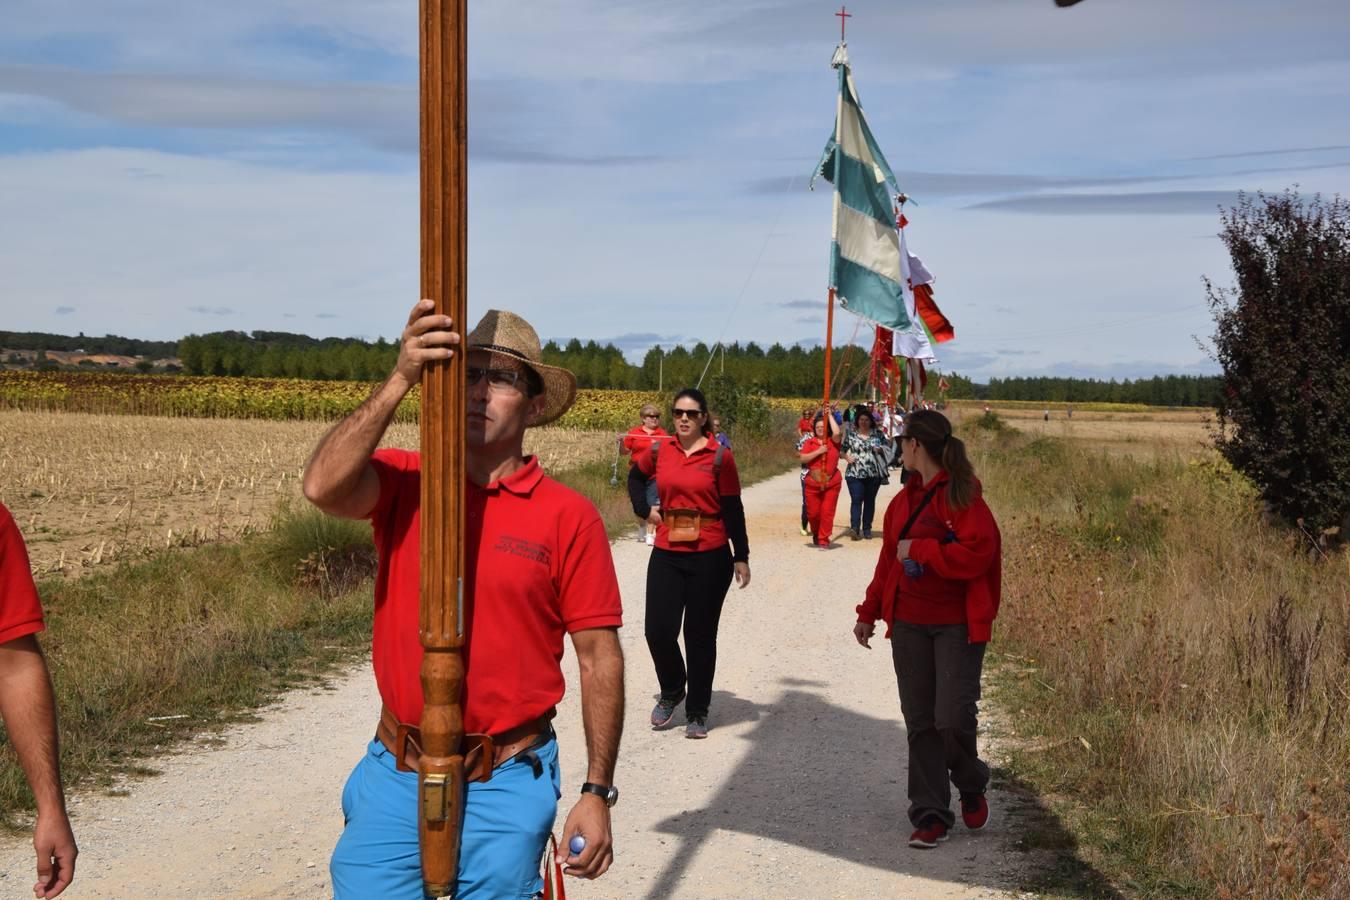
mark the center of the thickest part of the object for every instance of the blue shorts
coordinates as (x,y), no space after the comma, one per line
(507,821)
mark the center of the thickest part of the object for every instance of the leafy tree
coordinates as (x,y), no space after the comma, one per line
(1282,336)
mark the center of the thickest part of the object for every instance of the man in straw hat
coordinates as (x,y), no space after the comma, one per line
(538,565)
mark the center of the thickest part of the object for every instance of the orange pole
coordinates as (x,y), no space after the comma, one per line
(829,343)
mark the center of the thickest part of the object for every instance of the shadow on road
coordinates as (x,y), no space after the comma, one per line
(830,780)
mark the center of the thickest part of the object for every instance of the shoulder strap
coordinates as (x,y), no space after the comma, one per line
(914,514)
(717,463)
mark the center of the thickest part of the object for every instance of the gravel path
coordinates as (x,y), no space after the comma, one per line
(798,791)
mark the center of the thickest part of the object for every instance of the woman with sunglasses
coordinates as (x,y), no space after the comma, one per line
(640,438)
(820,456)
(700,544)
(936,586)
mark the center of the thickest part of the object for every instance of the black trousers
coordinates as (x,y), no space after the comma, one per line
(939,675)
(692,587)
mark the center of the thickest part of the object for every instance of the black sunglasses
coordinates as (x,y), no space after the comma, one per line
(678,413)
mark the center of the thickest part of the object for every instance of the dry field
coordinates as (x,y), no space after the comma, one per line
(1138,434)
(86,489)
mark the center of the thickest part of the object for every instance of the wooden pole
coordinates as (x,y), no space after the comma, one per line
(444,140)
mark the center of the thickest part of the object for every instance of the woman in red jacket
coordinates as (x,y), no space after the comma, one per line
(937,588)
(820,456)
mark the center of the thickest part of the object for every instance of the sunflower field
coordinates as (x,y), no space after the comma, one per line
(223,397)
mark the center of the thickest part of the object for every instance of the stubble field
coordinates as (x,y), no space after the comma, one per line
(88,489)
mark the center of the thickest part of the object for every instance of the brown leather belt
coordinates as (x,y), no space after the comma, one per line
(482,752)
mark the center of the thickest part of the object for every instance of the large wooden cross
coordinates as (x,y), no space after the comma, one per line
(444,152)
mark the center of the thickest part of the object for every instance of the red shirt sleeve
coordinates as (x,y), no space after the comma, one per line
(644,461)
(392,466)
(588,588)
(728,480)
(871,608)
(971,554)
(20,609)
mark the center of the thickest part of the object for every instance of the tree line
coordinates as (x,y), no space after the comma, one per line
(791,371)
(109,343)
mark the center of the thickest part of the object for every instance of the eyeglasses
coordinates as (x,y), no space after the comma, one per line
(686,413)
(501,381)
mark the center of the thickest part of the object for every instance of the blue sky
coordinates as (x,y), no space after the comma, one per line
(638,170)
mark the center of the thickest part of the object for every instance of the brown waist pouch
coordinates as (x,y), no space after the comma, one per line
(819,476)
(482,752)
(683,526)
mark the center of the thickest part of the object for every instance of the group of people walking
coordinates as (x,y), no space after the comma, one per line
(539,566)
(868,453)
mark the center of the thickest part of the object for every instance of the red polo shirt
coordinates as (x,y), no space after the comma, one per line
(686,482)
(829,462)
(640,439)
(20,610)
(804,426)
(539,565)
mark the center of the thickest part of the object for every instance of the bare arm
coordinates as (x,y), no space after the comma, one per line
(339,478)
(28,707)
(601,661)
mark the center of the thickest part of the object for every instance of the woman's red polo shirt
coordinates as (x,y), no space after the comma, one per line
(639,439)
(539,565)
(20,609)
(686,482)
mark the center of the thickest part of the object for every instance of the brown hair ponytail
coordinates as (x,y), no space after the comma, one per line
(934,432)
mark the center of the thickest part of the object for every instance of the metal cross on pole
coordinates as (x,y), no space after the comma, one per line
(844,15)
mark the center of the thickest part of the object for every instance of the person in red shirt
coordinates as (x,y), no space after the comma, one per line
(637,440)
(700,544)
(538,566)
(936,586)
(28,708)
(822,484)
(804,423)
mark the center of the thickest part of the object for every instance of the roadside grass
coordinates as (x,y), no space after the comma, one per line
(147,653)
(1173,668)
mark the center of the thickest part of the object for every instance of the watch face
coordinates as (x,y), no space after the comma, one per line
(613,796)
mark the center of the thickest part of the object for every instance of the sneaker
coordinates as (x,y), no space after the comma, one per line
(853,535)
(641,533)
(697,727)
(664,711)
(651,539)
(867,534)
(974,811)
(927,836)
(806,531)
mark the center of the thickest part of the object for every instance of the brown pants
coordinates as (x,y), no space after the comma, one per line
(939,675)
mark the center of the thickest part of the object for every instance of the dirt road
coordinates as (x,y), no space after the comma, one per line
(798,791)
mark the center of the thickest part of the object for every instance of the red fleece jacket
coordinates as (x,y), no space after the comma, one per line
(971,564)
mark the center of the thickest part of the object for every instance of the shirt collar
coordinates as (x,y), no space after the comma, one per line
(522,481)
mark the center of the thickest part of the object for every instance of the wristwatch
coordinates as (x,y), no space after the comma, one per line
(609,794)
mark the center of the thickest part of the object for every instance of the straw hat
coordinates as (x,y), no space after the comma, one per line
(508,334)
